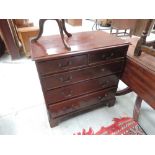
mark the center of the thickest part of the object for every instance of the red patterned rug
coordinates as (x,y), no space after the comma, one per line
(121,126)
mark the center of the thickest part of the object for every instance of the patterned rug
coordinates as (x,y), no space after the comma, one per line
(121,126)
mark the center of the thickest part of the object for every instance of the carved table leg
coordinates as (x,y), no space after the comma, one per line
(61,33)
(124,91)
(137,107)
(41,27)
(64,28)
(61,24)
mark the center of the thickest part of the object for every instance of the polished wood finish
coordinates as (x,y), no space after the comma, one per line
(80,88)
(81,79)
(139,74)
(80,43)
(81,102)
(63,79)
(57,65)
(9,39)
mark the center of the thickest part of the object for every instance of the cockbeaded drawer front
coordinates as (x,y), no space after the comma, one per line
(81,102)
(107,54)
(66,78)
(67,92)
(58,65)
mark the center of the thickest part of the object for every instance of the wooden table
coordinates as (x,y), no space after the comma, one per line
(139,76)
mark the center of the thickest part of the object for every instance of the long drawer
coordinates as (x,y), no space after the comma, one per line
(75,104)
(107,54)
(81,88)
(52,66)
(63,79)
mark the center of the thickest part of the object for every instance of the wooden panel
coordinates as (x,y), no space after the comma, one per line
(81,88)
(48,67)
(108,54)
(83,42)
(63,79)
(81,102)
(9,39)
(141,80)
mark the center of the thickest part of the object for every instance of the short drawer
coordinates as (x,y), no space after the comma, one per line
(63,79)
(107,54)
(52,66)
(78,103)
(67,92)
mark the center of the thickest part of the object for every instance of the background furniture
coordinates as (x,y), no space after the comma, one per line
(140,26)
(100,23)
(2,47)
(136,26)
(20,23)
(10,40)
(25,33)
(81,79)
(123,24)
(74,22)
(142,44)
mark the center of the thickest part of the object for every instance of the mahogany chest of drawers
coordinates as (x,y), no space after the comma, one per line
(81,79)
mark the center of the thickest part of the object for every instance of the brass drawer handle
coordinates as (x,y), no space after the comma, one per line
(63,65)
(68,79)
(110,56)
(105,83)
(69,94)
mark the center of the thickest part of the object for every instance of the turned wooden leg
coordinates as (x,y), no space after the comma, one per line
(64,28)
(124,91)
(61,33)
(116,32)
(41,27)
(137,107)
(125,32)
(111,30)
(131,32)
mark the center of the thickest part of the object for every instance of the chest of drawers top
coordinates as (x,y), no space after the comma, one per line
(51,47)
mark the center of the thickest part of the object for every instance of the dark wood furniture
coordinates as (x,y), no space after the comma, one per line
(9,38)
(139,76)
(2,47)
(81,79)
